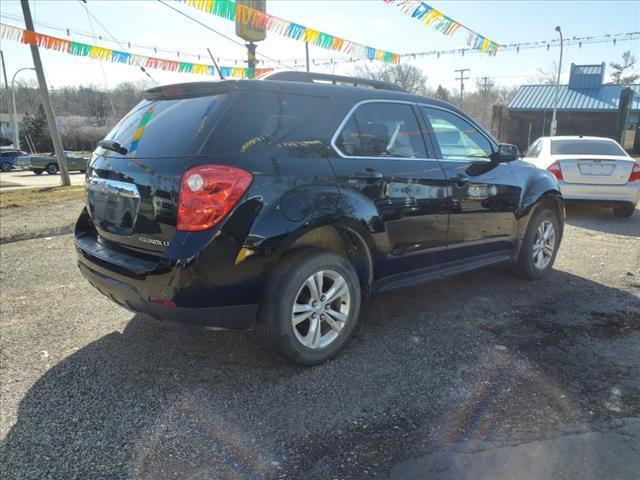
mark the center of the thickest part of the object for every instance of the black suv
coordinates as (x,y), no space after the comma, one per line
(287,199)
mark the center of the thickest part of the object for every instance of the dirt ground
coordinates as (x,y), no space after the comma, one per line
(480,376)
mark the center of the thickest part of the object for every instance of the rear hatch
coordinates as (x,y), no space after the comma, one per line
(591,160)
(132,193)
(596,169)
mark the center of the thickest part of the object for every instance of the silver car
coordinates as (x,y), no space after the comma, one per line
(590,168)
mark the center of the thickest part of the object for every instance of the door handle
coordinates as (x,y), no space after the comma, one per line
(368,173)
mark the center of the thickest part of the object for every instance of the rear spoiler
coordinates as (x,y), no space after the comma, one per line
(191,90)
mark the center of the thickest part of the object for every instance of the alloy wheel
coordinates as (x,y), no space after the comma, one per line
(321,309)
(544,245)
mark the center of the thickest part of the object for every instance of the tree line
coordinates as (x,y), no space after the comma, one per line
(85,114)
(478,103)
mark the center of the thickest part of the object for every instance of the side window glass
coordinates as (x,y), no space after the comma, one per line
(457,137)
(264,118)
(534,150)
(382,130)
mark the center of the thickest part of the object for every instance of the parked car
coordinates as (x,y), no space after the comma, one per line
(592,169)
(8,158)
(49,163)
(298,195)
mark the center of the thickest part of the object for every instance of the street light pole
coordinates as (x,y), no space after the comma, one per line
(12,113)
(554,121)
(16,136)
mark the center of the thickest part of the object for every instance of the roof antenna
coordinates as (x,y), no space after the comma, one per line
(215,64)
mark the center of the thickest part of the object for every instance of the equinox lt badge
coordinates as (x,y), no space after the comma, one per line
(152,241)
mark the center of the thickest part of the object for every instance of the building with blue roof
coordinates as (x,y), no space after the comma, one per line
(586,106)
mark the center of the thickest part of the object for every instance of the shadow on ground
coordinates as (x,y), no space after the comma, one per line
(512,362)
(595,217)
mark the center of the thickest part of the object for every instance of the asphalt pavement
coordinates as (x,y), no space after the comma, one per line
(482,376)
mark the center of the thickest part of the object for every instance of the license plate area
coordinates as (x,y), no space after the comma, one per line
(113,205)
(596,168)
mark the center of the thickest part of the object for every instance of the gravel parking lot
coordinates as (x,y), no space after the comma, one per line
(480,376)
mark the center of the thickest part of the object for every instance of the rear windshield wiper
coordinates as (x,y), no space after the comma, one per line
(113,146)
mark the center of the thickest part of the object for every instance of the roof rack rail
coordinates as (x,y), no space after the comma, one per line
(310,77)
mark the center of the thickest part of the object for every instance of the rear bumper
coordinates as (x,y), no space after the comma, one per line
(629,192)
(234,317)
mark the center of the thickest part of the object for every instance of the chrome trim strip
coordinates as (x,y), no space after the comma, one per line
(348,116)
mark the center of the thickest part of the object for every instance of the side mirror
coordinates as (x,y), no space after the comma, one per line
(506,153)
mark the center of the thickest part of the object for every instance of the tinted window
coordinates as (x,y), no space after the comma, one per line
(585,147)
(457,137)
(534,150)
(382,130)
(166,128)
(264,117)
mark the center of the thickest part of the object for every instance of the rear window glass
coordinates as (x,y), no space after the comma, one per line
(166,128)
(585,147)
(266,117)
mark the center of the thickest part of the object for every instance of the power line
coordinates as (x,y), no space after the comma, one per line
(580,41)
(221,34)
(142,69)
(104,76)
(588,40)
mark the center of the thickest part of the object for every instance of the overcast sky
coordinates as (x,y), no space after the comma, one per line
(374,23)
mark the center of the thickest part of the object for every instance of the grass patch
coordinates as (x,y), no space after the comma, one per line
(39,196)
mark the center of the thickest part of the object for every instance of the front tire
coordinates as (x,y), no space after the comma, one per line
(624,211)
(52,169)
(5,166)
(539,246)
(311,306)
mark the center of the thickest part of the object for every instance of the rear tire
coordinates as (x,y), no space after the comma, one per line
(310,335)
(52,169)
(38,171)
(539,246)
(5,166)
(625,211)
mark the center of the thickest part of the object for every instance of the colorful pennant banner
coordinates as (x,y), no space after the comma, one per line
(445,25)
(261,20)
(9,32)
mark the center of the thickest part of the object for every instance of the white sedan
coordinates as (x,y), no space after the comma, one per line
(590,168)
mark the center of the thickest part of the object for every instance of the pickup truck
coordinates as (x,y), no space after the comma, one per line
(48,162)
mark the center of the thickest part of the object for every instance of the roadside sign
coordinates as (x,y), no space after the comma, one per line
(246,31)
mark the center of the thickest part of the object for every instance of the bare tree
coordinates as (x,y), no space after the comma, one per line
(409,77)
(547,76)
(619,69)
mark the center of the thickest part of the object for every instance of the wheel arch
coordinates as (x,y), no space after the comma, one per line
(345,237)
(550,198)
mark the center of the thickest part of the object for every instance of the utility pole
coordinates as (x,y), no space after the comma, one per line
(251,59)
(306,51)
(12,113)
(484,89)
(247,32)
(462,78)
(46,101)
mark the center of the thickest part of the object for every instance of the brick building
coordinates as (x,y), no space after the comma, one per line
(586,106)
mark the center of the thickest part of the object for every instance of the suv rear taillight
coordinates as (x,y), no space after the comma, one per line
(635,173)
(208,193)
(556,170)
